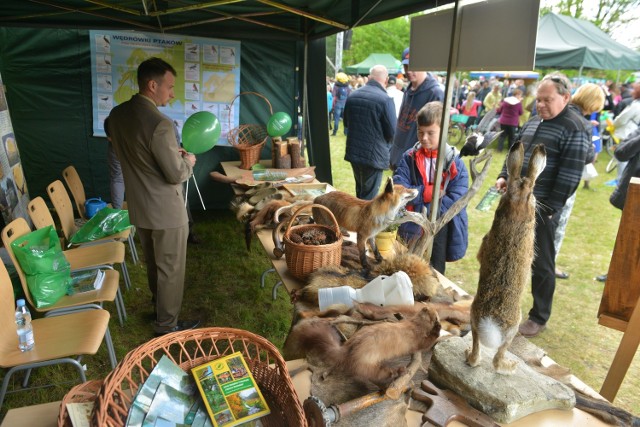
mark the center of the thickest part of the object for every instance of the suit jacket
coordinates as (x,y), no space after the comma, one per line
(144,140)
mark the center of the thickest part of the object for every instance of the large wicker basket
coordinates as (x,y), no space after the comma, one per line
(248,139)
(189,349)
(305,259)
(82,393)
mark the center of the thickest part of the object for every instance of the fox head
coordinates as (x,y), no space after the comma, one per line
(397,194)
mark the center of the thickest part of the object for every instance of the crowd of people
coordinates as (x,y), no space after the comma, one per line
(393,122)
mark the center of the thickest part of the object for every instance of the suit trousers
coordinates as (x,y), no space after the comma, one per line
(543,268)
(165,252)
(368,181)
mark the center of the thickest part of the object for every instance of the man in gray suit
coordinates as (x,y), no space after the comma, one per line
(154,169)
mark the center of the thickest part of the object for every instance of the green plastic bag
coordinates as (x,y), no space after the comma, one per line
(46,269)
(40,252)
(104,223)
(48,288)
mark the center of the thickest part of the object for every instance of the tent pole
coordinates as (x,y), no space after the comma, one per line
(580,73)
(305,102)
(425,244)
(618,78)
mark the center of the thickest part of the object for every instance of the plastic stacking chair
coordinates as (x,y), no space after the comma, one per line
(68,303)
(91,256)
(61,339)
(73,181)
(62,204)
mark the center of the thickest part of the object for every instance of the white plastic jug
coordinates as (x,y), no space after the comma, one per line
(383,290)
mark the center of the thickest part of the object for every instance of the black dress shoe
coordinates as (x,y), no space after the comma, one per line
(194,239)
(183,325)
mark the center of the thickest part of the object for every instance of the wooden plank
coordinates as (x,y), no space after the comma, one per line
(622,288)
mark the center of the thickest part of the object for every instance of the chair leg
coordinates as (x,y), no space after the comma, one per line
(132,249)
(125,275)
(274,291)
(110,349)
(264,275)
(25,381)
(122,311)
(11,371)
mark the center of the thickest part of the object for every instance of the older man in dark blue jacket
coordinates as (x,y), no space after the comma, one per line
(370,121)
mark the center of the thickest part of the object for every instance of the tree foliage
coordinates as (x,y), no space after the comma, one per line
(607,14)
(390,36)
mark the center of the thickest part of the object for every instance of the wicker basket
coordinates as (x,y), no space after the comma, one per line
(192,348)
(304,259)
(248,139)
(82,393)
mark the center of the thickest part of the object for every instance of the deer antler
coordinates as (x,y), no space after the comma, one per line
(420,246)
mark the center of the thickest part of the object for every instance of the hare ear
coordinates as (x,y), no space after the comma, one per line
(514,160)
(388,188)
(537,162)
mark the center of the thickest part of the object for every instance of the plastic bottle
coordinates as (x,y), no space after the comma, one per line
(383,290)
(25,330)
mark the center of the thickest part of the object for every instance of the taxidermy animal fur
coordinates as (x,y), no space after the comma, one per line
(366,217)
(365,356)
(425,281)
(505,257)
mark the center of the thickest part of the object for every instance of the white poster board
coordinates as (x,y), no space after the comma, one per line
(208,74)
(494,35)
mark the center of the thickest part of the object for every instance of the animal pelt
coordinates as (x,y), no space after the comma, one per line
(426,284)
(386,333)
(594,405)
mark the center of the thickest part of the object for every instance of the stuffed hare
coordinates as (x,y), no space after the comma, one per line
(505,257)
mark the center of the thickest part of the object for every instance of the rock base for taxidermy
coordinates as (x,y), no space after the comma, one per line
(505,398)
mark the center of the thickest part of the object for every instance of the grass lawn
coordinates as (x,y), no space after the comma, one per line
(223,289)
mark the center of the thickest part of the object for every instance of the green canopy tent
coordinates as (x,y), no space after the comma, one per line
(566,42)
(393,65)
(45,66)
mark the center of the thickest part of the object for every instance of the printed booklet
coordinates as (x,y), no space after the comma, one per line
(85,281)
(229,391)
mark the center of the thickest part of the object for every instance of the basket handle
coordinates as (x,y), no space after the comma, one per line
(315,205)
(250,93)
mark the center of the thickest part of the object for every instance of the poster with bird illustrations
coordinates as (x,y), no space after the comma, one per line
(208,74)
(14,196)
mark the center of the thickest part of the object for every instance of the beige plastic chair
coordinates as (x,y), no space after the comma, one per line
(73,181)
(59,339)
(62,204)
(68,303)
(90,256)
(71,177)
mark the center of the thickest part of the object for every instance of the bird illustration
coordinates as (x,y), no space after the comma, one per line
(106,40)
(193,107)
(195,88)
(104,98)
(107,60)
(193,67)
(193,49)
(214,50)
(476,142)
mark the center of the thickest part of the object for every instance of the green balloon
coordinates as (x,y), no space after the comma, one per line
(200,132)
(279,124)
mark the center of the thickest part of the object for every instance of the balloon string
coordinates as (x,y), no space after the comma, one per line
(186,193)
(198,190)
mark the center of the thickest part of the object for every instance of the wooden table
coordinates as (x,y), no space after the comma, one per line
(301,380)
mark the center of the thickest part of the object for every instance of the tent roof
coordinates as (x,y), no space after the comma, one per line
(393,65)
(567,42)
(239,19)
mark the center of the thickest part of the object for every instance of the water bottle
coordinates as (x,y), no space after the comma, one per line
(25,330)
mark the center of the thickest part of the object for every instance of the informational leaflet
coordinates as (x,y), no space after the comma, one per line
(208,74)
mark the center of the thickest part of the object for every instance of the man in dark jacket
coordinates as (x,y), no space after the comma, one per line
(370,120)
(423,88)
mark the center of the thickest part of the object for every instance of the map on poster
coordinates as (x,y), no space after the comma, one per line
(208,74)
(14,195)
